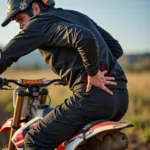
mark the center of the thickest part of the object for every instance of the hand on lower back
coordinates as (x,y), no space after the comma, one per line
(99,80)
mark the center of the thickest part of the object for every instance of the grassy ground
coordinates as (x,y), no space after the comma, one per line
(138,85)
(138,112)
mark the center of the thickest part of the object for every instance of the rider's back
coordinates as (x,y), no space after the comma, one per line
(69,64)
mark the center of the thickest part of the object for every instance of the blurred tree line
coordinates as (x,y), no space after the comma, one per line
(130,63)
(136,63)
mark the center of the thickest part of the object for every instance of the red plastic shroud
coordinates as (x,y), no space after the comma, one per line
(7,125)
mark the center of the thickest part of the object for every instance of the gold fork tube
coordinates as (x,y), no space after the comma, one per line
(43,99)
(16,119)
(44,96)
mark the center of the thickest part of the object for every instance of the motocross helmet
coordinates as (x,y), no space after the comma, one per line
(16,6)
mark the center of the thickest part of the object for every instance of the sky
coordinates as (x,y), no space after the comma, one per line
(128,21)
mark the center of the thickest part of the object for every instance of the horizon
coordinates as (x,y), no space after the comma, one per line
(127,21)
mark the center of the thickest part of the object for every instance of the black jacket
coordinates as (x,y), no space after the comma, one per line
(70,43)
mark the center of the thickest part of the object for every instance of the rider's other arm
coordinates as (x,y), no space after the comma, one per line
(52,34)
(113,44)
(22,44)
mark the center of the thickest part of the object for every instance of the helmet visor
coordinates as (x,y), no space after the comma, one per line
(9,17)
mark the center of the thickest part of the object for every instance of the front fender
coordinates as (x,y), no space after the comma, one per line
(6,126)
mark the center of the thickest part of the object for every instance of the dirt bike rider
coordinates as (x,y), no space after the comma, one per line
(77,49)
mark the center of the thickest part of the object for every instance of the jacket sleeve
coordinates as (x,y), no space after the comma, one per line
(22,44)
(113,44)
(64,34)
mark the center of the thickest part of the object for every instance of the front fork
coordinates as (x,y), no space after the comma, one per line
(16,118)
(17,113)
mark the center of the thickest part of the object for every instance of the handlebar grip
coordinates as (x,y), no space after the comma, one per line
(1,81)
(63,82)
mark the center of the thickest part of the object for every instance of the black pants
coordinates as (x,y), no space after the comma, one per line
(67,118)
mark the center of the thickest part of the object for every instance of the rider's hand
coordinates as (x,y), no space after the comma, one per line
(99,80)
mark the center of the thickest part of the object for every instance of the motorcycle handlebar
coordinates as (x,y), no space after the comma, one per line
(5,82)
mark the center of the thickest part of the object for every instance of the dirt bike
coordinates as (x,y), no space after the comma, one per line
(29,101)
